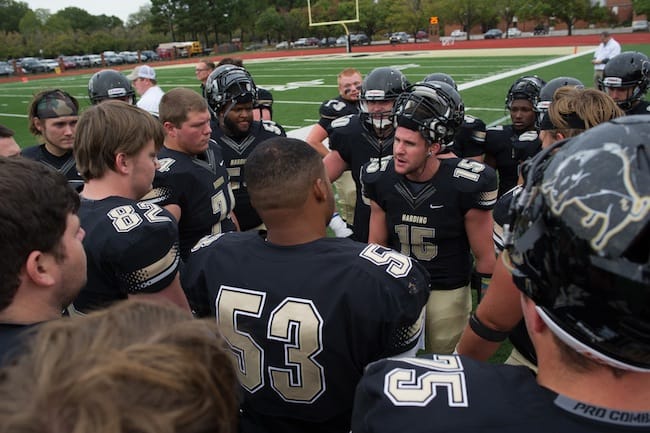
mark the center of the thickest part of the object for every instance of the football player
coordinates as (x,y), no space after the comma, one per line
(192,181)
(110,84)
(578,254)
(231,96)
(301,337)
(435,210)
(53,116)
(132,246)
(349,84)
(572,110)
(469,141)
(368,136)
(43,264)
(626,78)
(500,153)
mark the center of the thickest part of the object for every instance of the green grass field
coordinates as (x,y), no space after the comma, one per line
(299,85)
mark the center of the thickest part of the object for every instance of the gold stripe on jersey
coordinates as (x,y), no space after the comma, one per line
(156,271)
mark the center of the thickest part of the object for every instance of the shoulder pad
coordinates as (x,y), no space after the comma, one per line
(474,176)
(528,136)
(332,108)
(272,127)
(495,128)
(342,121)
(206,241)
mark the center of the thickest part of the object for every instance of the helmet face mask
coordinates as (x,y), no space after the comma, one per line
(631,70)
(381,84)
(434,109)
(227,86)
(579,241)
(110,84)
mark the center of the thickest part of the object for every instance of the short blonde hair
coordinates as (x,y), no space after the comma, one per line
(113,127)
(134,367)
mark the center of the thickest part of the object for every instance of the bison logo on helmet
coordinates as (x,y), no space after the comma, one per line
(602,213)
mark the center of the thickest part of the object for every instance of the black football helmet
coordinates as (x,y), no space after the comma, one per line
(526,87)
(441,76)
(548,90)
(433,108)
(381,84)
(110,84)
(228,85)
(628,69)
(579,241)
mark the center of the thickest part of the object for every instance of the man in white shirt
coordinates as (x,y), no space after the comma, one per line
(607,49)
(145,84)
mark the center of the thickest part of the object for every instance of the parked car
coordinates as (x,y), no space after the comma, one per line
(255,47)
(283,45)
(32,65)
(300,42)
(94,60)
(493,34)
(640,26)
(341,41)
(149,56)
(540,29)
(69,62)
(421,34)
(329,41)
(112,58)
(513,32)
(458,34)
(359,39)
(6,69)
(399,37)
(128,56)
(51,64)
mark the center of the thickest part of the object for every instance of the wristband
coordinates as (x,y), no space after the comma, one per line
(484,332)
(480,282)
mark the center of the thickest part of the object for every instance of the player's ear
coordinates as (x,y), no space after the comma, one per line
(320,189)
(121,162)
(38,268)
(170,129)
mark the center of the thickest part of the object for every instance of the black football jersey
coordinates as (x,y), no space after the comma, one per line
(456,394)
(235,152)
(335,108)
(14,340)
(357,146)
(300,336)
(131,248)
(469,140)
(426,220)
(500,144)
(643,107)
(63,164)
(199,185)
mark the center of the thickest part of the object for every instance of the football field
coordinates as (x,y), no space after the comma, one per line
(300,84)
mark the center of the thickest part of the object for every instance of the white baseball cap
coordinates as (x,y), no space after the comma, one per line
(143,71)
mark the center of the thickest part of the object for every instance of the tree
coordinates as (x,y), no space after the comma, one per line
(567,11)
(272,23)
(641,7)
(11,13)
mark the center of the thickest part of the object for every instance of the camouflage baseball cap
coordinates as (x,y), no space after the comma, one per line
(57,103)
